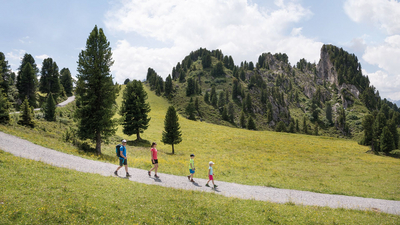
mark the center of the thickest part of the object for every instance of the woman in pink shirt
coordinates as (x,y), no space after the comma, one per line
(154,160)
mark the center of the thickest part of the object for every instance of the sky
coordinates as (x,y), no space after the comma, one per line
(158,34)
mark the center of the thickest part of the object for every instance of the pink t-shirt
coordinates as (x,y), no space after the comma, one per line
(154,152)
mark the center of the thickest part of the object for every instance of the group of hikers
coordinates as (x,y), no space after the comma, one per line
(123,161)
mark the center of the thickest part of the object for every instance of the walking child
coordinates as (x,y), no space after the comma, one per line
(123,160)
(211,174)
(154,160)
(191,168)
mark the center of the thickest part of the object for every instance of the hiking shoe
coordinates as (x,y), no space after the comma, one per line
(207,185)
(128,175)
(189,178)
(192,180)
(116,173)
(149,173)
(215,186)
(155,175)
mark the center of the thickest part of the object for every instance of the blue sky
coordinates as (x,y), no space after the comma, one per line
(158,34)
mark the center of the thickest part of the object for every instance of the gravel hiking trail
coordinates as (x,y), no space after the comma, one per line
(26,149)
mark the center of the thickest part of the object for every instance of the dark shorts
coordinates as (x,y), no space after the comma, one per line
(191,171)
(155,161)
(123,162)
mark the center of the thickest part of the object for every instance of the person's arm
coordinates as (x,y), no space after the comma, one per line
(121,152)
(151,153)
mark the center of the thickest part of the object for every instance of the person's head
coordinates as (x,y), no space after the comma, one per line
(124,142)
(153,145)
(211,163)
(192,156)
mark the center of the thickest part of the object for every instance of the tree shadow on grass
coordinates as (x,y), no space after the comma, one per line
(139,143)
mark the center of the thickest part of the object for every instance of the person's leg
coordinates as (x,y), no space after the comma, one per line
(118,168)
(156,167)
(126,168)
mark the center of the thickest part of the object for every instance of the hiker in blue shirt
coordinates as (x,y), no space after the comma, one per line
(123,160)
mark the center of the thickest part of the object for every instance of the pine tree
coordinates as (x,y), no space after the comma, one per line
(168,86)
(190,109)
(50,77)
(269,112)
(250,124)
(134,109)
(171,134)
(297,126)
(231,112)
(96,93)
(27,115)
(328,112)
(249,104)
(207,98)
(26,84)
(379,124)
(225,114)
(4,112)
(66,81)
(393,129)
(367,123)
(305,129)
(221,100)
(242,120)
(196,104)
(50,108)
(386,140)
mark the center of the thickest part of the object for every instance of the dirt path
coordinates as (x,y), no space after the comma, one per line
(62,104)
(29,150)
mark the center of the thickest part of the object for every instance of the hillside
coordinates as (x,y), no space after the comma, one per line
(331,97)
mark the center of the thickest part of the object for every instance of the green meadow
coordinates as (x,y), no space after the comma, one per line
(37,193)
(293,161)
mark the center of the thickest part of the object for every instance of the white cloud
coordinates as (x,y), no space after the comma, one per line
(239,28)
(385,55)
(384,14)
(14,57)
(42,57)
(388,86)
(25,40)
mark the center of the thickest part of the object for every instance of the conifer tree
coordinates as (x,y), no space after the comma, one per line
(96,93)
(190,109)
(26,115)
(196,104)
(134,109)
(249,104)
(328,112)
(50,77)
(242,120)
(168,86)
(221,100)
(269,112)
(386,140)
(305,129)
(316,130)
(26,84)
(231,112)
(250,124)
(297,126)
(171,134)
(379,124)
(50,108)
(4,112)
(66,81)
(367,124)
(393,129)
(207,98)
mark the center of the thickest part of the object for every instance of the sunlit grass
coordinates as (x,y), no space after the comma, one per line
(282,160)
(36,193)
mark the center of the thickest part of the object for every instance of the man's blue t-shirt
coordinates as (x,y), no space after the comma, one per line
(123,149)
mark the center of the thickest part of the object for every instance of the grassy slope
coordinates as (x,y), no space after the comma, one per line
(37,193)
(302,162)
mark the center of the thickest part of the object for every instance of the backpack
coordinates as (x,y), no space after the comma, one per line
(117,150)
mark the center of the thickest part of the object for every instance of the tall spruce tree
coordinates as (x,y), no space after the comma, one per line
(386,140)
(26,84)
(96,93)
(50,77)
(50,108)
(379,124)
(171,134)
(242,120)
(328,112)
(367,123)
(305,128)
(168,86)
(134,109)
(393,129)
(66,81)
